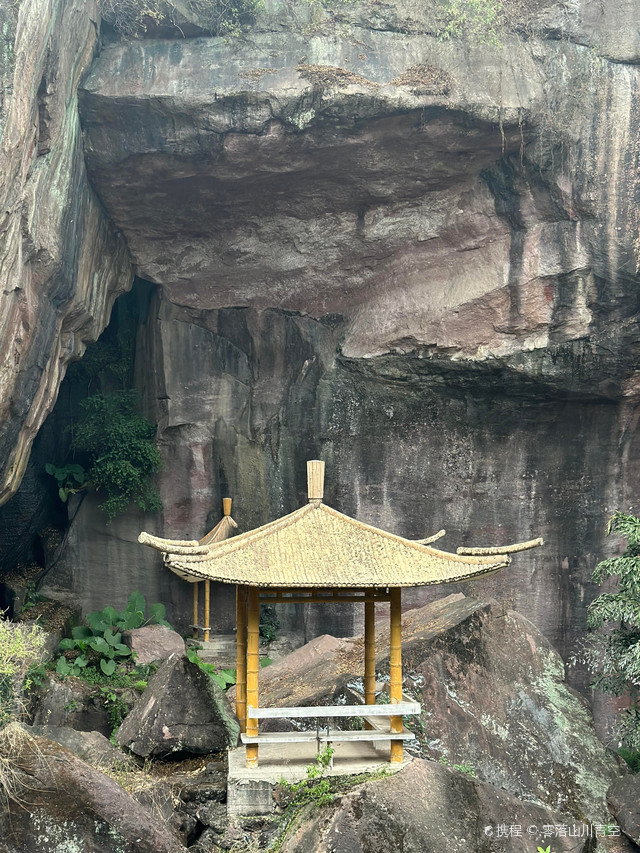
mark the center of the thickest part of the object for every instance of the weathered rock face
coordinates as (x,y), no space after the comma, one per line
(181,712)
(415,258)
(493,697)
(624,802)
(62,263)
(412,257)
(427,807)
(153,642)
(64,804)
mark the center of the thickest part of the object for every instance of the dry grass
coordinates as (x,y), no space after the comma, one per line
(14,740)
(423,79)
(332,76)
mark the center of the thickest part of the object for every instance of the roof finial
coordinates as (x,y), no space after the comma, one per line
(315,479)
(226,506)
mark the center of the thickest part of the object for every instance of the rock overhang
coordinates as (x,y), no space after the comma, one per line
(313,173)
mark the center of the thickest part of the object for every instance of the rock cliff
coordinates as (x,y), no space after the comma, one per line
(62,262)
(415,257)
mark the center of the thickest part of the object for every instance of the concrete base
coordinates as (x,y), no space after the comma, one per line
(250,789)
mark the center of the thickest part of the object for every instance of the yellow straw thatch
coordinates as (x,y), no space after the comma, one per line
(317,546)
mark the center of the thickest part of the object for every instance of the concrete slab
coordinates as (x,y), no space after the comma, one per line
(250,790)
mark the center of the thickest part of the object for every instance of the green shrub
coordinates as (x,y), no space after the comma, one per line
(224,678)
(21,647)
(100,640)
(269,622)
(481,20)
(614,656)
(122,456)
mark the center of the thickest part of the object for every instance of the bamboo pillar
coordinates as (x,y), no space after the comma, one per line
(369,654)
(395,668)
(195,611)
(253,666)
(241,656)
(207,594)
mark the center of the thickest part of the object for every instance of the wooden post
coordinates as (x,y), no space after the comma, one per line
(207,626)
(241,656)
(195,611)
(395,668)
(315,479)
(369,655)
(253,666)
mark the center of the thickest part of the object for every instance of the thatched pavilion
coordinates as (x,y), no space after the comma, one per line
(317,554)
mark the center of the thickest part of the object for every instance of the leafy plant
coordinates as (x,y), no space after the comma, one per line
(482,20)
(614,656)
(117,708)
(467,769)
(70,479)
(316,788)
(100,639)
(631,757)
(545,849)
(120,450)
(224,678)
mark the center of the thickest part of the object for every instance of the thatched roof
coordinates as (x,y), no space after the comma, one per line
(223,530)
(318,547)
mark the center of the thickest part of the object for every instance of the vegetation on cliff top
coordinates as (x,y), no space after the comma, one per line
(217,17)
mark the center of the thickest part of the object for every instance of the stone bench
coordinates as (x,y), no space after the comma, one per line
(374,714)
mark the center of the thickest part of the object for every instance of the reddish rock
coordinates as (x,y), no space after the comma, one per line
(153,642)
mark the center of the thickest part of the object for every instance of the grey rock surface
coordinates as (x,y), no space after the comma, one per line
(92,747)
(624,802)
(70,703)
(429,807)
(182,712)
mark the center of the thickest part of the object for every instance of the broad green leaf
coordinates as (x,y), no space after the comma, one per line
(66,644)
(111,638)
(99,644)
(157,612)
(137,602)
(62,666)
(80,662)
(81,632)
(108,666)
(219,681)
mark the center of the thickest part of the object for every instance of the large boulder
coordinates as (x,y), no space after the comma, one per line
(430,807)
(624,802)
(181,712)
(493,697)
(153,642)
(58,802)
